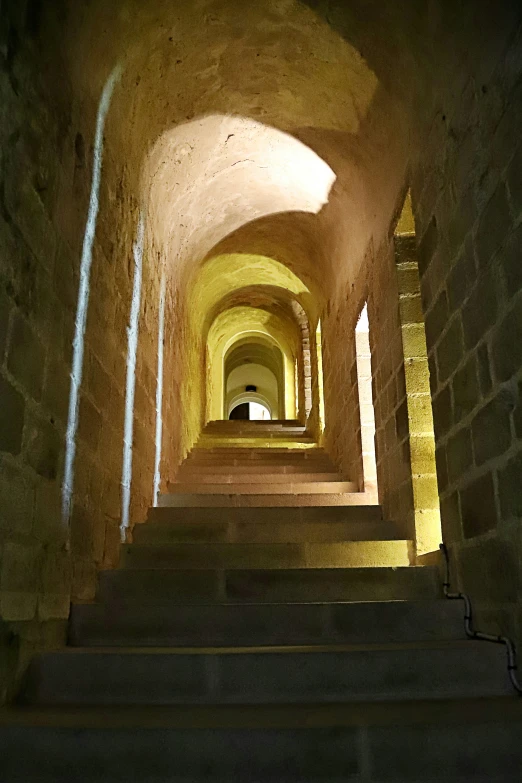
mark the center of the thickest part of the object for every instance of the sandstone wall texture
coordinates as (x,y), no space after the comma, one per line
(378,285)
(46,148)
(43,166)
(467,198)
(426,97)
(466,185)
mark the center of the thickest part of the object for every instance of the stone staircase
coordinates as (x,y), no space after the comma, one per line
(265,624)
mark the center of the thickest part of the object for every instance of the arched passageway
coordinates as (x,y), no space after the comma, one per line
(178,181)
(254,409)
(260,367)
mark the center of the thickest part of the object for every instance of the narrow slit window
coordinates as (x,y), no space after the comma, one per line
(366,409)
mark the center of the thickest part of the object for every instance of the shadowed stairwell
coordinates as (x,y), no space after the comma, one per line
(265,624)
(260,357)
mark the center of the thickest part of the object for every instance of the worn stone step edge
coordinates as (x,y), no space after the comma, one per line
(275,623)
(267,674)
(224,476)
(346,554)
(262,488)
(201,500)
(305,515)
(260,450)
(294,744)
(271,440)
(444,712)
(283,471)
(259,430)
(261,586)
(270,457)
(262,532)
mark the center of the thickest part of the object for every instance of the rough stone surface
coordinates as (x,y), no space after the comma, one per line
(478,506)
(26,357)
(207,105)
(11,418)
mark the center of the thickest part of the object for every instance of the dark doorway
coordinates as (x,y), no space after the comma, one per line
(241,411)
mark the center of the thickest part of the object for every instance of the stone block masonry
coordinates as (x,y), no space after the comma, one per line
(380,113)
(417,431)
(45,168)
(33,362)
(474,343)
(378,283)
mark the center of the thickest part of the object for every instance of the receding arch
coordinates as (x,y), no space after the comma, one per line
(246,325)
(254,361)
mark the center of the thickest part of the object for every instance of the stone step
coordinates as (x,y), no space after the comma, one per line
(258,429)
(276,438)
(271,452)
(345,554)
(254,453)
(125,587)
(269,624)
(471,740)
(264,488)
(358,513)
(303,469)
(319,464)
(276,431)
(268,458)
(285,433)
(259,423)
(259,532)
(226,463)
(255,429)
(204,500)
(266,675)
(230,476)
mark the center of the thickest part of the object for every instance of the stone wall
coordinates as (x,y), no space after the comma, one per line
(466,98)
(378,285)
(466,191)
(343,424)
(420,441)
(38,279)
(467,197)
(46,159)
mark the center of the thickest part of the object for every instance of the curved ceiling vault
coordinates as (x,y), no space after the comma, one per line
(245,132)
(258,125)
(232,279)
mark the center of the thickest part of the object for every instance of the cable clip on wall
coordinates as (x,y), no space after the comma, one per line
(471,633)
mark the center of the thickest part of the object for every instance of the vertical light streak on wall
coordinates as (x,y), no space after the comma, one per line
(320,379)
(159,394)
(132,350)
(83,297)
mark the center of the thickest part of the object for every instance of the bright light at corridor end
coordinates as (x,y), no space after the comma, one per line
(259,412)
(212,175)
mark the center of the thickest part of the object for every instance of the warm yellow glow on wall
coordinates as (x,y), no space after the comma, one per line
(224,274)
(428,531)
(244,275)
